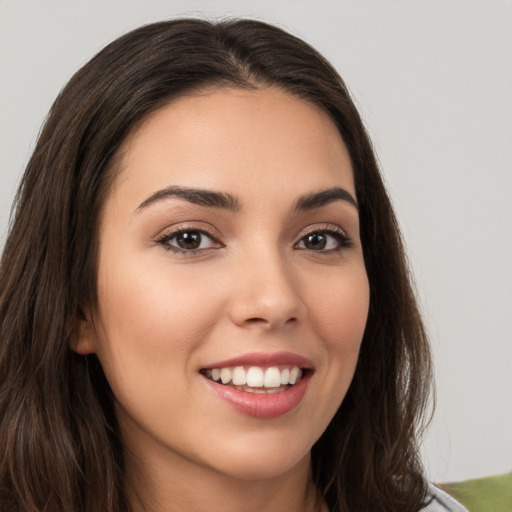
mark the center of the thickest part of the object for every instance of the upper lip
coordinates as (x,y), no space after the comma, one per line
(264,359)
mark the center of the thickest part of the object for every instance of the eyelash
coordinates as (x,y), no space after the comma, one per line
(166,238)
(343,241)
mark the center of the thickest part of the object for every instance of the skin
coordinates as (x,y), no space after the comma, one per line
(253,286)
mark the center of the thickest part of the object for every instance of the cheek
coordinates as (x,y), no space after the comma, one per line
(338,312)
(339,309)
(155,300)
(152,320)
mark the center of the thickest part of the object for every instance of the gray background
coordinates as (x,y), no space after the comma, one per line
(433,80)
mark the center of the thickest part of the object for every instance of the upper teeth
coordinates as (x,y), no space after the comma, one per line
(256,377)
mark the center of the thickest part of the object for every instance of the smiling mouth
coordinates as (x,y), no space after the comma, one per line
(257,379)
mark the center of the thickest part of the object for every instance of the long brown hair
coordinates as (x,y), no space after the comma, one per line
(59,443)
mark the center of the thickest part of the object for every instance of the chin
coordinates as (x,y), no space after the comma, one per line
(265,464)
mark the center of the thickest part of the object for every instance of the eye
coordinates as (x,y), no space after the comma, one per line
(325,240)
(187,240)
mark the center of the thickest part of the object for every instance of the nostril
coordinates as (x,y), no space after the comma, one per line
(259,320)
(256,320)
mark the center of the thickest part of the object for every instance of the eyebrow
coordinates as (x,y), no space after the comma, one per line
(227,201)
(201,197)
(323,198)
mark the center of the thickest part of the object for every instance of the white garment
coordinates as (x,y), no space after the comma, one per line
(442,502)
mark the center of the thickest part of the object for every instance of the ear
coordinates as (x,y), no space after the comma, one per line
(84,341)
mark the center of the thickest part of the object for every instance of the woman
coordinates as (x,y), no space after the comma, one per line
(204,296)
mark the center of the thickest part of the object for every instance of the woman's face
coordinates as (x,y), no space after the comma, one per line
(232,289)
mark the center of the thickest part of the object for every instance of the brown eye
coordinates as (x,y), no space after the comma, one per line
(315,241)
(188,240)
(325,241)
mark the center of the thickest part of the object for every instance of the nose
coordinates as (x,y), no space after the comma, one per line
(267,294)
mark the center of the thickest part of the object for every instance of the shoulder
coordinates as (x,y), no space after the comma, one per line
(442,502)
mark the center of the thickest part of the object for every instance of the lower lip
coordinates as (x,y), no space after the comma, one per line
(261,405)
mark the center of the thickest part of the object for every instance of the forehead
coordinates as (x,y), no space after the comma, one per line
(236,140)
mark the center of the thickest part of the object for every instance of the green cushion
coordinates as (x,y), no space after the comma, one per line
(490,494)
